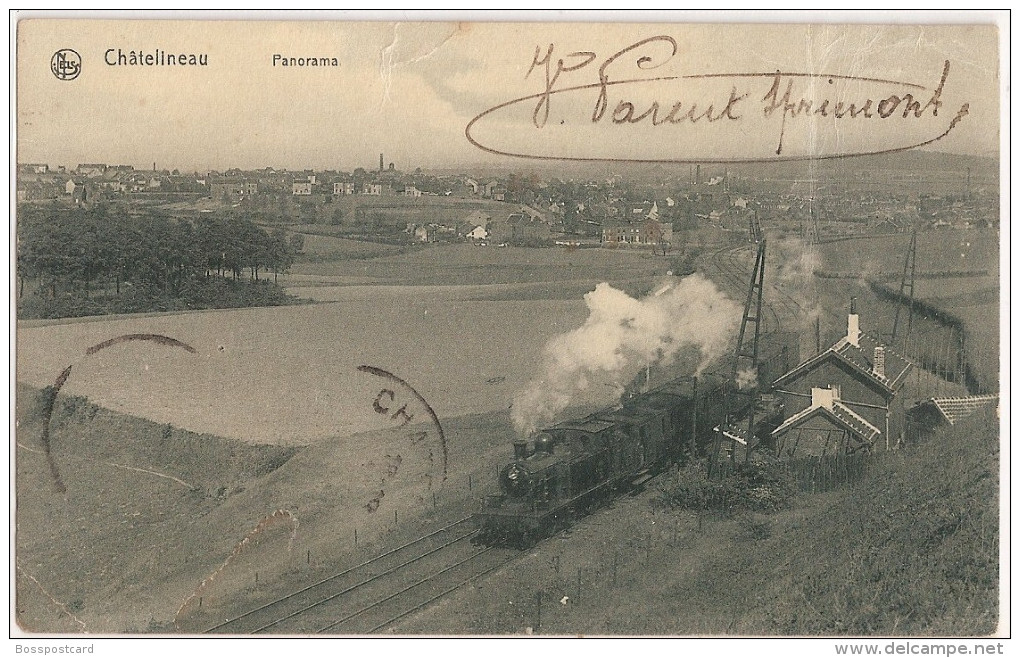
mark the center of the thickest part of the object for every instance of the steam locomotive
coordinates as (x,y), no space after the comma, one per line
(574,466)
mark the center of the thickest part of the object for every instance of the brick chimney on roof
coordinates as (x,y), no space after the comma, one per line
(853,325)
(878,363)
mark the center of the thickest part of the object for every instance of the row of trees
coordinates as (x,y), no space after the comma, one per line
(99,251)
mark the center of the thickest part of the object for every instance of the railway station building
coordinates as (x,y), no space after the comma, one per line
(849,389)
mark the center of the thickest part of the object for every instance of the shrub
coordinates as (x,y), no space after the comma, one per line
(763,485)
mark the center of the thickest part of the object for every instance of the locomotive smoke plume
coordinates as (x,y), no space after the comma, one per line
(746,378)
(795,265)
(623,334)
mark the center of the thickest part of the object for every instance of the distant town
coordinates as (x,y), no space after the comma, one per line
(650,208)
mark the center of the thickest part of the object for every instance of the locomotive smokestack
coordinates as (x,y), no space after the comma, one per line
(520,449)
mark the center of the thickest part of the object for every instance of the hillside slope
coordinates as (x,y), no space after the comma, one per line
(912,549)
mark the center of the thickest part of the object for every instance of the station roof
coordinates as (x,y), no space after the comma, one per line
(859,359)
(840,414)
(954,409)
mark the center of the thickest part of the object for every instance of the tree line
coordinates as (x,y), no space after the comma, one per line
(98,252)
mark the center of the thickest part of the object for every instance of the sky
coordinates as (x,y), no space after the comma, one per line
(409,91)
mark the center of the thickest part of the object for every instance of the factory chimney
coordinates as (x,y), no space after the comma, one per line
(853,325)
(697,175)
(380,163)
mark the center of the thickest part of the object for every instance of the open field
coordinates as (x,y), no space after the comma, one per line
(470,264)
(320,243)
(937,251)
(290,375)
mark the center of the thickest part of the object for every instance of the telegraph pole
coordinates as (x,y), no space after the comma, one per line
(906,281)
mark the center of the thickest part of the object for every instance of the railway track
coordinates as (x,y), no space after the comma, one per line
(734,268)
(370,596)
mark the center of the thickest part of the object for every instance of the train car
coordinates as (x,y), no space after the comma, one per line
(576,465)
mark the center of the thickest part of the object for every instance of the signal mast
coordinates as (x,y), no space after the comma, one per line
(746,353)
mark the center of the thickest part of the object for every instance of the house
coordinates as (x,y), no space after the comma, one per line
(81,192)
(343,189)
(134,182)
(230,188)
(649,231)
(425,233)
(412,191)
(301,187)
(479,232)
(640,225)
(827,426)
(518,228)
(90,170)
(475,218)
(928,415)
(224,188)
(372,189)
(866,375)
(617,232)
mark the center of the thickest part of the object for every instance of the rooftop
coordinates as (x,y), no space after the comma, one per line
(954,409)
(840,414)
(860,359)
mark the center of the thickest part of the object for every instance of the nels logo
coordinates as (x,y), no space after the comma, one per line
(65,64)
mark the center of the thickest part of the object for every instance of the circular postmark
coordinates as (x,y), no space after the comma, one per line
(405,408)
(65,64)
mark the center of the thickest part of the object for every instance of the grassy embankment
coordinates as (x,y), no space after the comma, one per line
(150,512)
